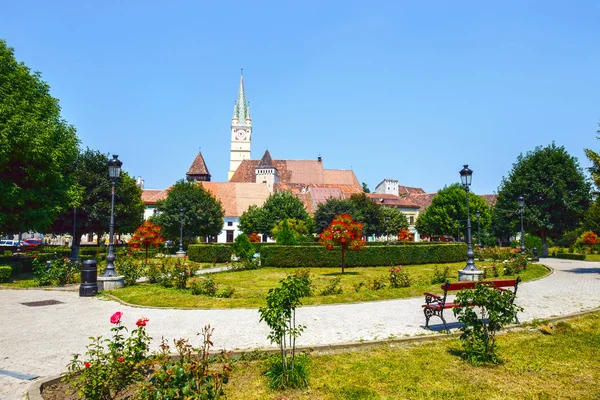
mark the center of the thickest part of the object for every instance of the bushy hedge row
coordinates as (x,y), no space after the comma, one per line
(5,272)
(207,253)
(569,256)
(310,256)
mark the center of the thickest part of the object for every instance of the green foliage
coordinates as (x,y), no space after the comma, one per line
(112,364)
(37,149)
(209,253)
(203,286)
(8,253)
(60,272)
(315,256)
(5,273)
(289,231)
(399,277)
(479,331)
(93,206)
(327,211)
(555,190)
(278,207)
(448,212)
(292,377)
(243,249)
(225,293)
(130,268)
(440,276)
(568,256)
(394,221)
(595,168)
(332,287)
(378,283)
(202,213)
(192,375)
(280,315)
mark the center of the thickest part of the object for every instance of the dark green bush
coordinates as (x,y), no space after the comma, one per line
(5,272)
(312,256)
(569,256)
(207,253)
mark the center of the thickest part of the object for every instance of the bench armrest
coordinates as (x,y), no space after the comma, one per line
(432,298)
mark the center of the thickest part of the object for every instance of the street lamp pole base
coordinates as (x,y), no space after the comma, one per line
(110,282)
(180,254)
(470,276)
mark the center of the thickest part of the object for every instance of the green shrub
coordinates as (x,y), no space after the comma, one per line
(570,256)
(225,293)
(60,272)
(243,249)
(209,253)
(440,276)
(130,268)
(8,253)
(333,287)
(378,283)
(5,272)
(204,286)
(399,277)
(318,256)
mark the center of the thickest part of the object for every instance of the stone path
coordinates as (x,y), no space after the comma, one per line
(40,340)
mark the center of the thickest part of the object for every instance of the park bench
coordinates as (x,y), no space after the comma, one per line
(436,304)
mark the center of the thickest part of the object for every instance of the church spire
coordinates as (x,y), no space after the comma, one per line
(241,111)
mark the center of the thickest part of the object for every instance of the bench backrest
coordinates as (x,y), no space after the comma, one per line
(446,287)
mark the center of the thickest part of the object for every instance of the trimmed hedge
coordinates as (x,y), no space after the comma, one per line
(370,256)
(569,256)
(205,252)
(5,272)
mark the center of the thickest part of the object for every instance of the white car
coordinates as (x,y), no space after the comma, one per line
(9,243)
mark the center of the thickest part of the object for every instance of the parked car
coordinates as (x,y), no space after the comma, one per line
(9,243)
(32,242)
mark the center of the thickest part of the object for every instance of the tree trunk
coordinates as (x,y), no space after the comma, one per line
(343,258)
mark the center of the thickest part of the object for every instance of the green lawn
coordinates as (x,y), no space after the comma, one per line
(23,280)
(252,286)
(561,365)
(592,257)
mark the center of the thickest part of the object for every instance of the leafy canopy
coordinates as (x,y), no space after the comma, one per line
(37,149)
(448,212)
(202,213)
(92,202)
(555,190)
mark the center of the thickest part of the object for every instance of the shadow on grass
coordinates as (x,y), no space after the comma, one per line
(340,273)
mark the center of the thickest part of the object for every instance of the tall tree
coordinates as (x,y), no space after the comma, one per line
(595,168)
(555,190)
(327,211)
(37,149)
(250,220)
(202,213)
(447,212)
(369,213)
(394,222)
(91,198)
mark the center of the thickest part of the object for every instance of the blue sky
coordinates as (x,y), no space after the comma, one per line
(390,89)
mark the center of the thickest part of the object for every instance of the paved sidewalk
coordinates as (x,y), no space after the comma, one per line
(40,340)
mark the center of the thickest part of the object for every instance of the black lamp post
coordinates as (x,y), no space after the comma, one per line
(114,171)
(478,213)
(470,271)
(521,202)
(180,252)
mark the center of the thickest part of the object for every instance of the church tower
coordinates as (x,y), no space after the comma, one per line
(241,131)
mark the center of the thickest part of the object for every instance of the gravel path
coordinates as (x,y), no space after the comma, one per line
(39,341)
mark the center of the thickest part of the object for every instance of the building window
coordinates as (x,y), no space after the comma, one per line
(411,220)
(229,223)
(229,236)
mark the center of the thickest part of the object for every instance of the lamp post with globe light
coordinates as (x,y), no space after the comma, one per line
(180,252)
(114,171)
(470,271)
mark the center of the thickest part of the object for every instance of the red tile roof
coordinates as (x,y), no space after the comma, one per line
(198,167)
(392,200)
(403,190)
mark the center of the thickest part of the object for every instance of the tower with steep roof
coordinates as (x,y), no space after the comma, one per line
(266,172)
(241,131)
(198,171)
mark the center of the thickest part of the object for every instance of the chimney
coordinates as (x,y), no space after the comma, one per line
(140,182)
(319,159)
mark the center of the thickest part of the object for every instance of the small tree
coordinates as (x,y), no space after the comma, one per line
(280,315)
(146,235)
(479,332)
(243,249)
(590,239)
(346,233)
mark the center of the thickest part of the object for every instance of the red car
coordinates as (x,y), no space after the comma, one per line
(32,242)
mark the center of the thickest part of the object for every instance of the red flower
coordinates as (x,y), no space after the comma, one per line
(116,317)
(87,365)
(121,359)
(142,321)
